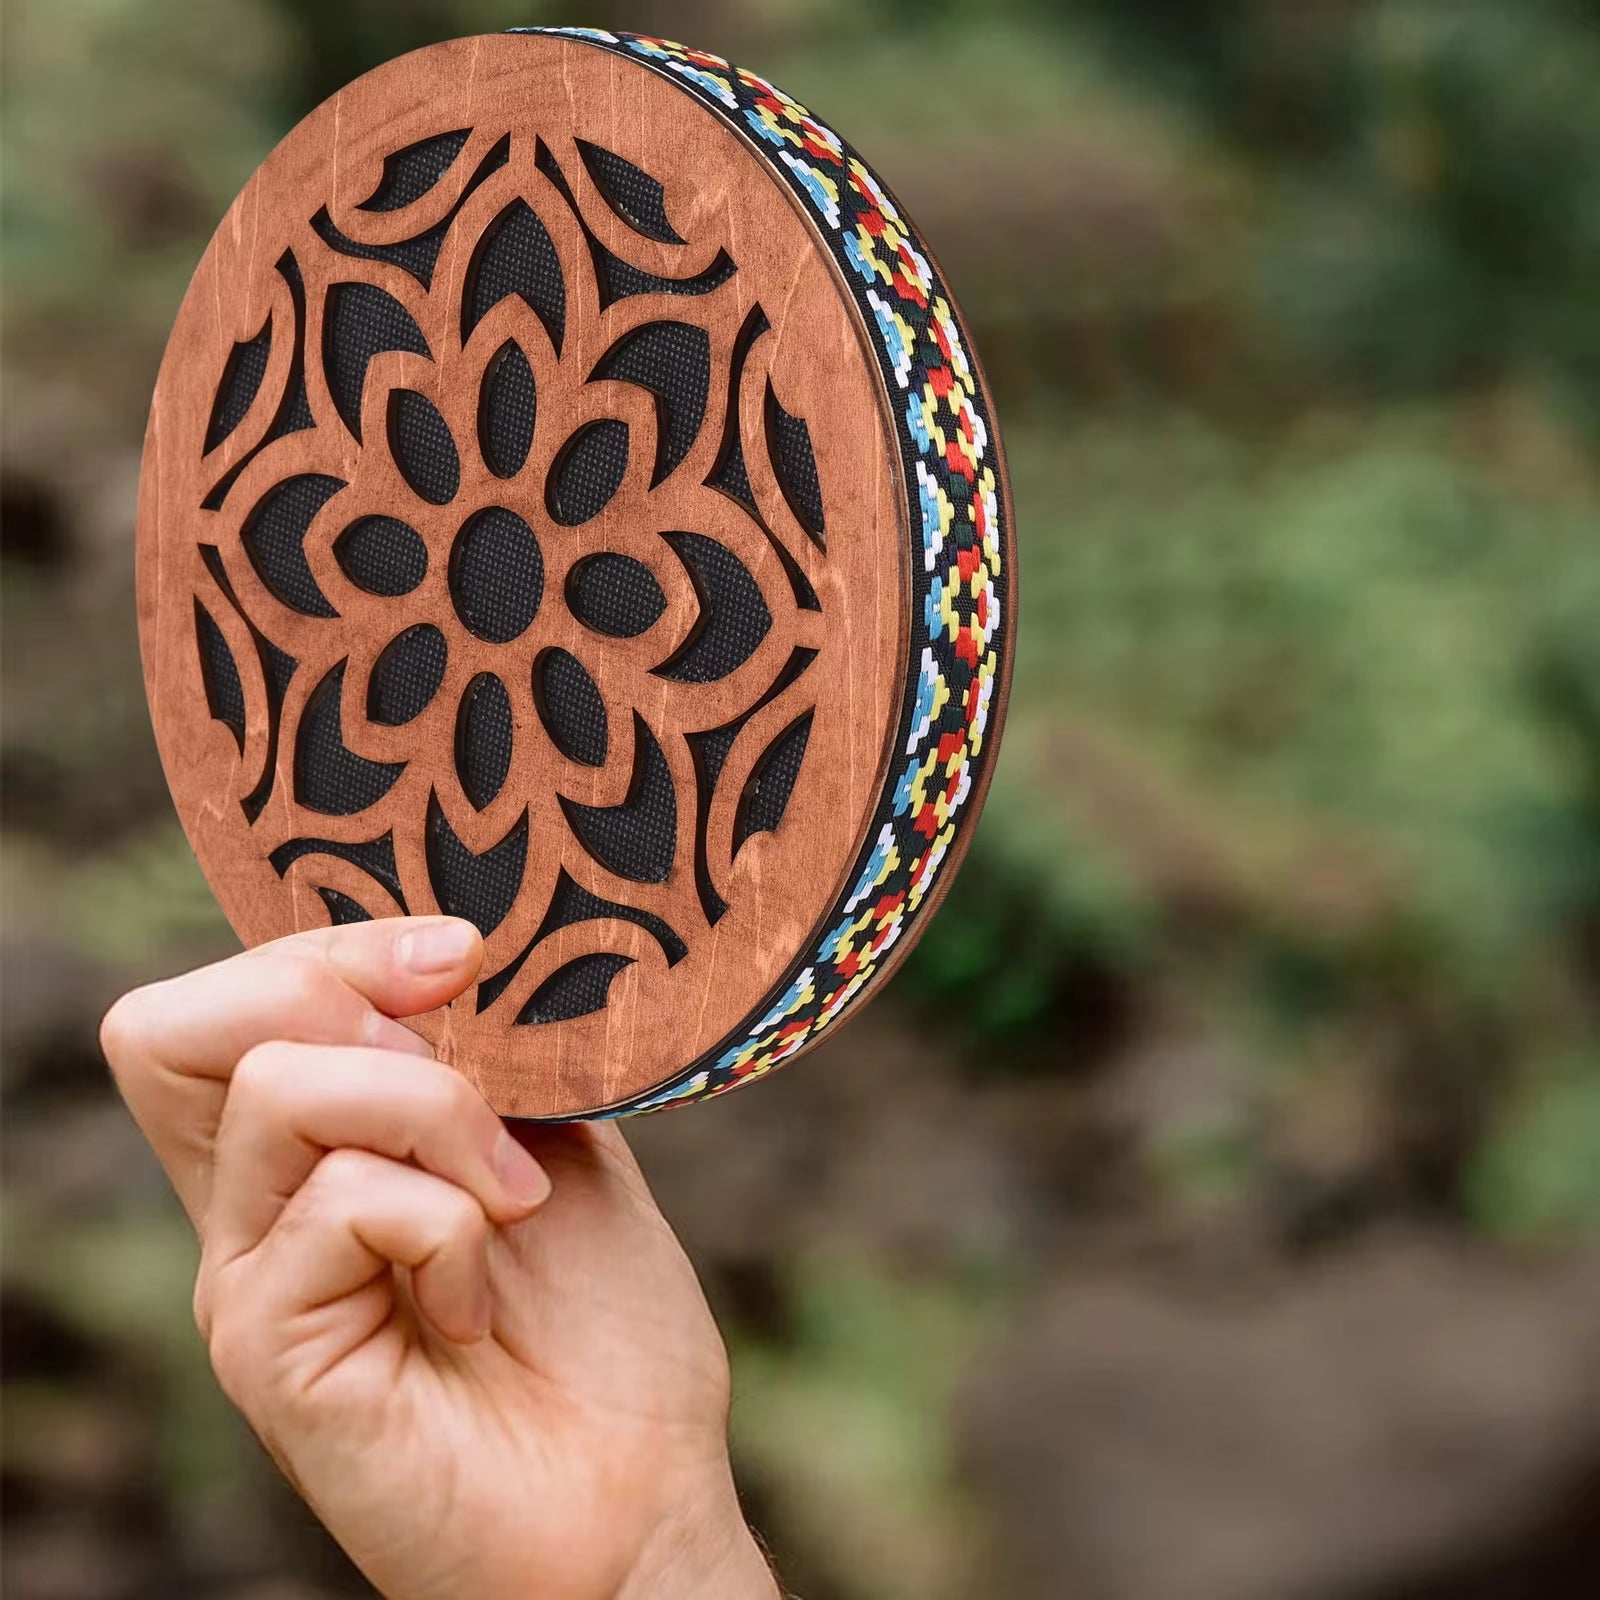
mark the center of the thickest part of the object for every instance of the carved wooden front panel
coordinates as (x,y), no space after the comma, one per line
(524,536)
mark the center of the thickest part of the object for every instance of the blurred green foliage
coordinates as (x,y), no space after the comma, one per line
(851,1412)
(149,895)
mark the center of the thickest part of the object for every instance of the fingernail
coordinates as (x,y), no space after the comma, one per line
(524,1179)
(439,946)
(384,1033)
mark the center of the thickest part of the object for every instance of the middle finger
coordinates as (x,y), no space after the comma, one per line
(289,1104)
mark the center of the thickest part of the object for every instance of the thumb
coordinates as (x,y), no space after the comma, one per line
(401,965)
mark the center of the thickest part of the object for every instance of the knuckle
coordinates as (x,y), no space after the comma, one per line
(448,1097)
(230,1346)
(462,1208)
(127,1029)
(261,1076)
(464,1225)
(308,987)
(340,1179)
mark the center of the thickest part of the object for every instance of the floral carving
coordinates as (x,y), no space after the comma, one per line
(481,528)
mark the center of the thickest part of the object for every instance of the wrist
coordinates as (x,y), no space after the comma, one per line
(704,1552)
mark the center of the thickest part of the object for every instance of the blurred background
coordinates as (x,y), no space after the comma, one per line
(1211,1208)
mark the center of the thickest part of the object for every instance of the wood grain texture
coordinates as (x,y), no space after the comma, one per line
(244,798)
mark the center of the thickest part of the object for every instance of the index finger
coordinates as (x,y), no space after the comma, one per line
(172,1046)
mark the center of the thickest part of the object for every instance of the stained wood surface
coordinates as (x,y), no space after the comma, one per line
(812,363)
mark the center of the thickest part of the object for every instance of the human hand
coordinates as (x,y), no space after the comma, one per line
(481,1357)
